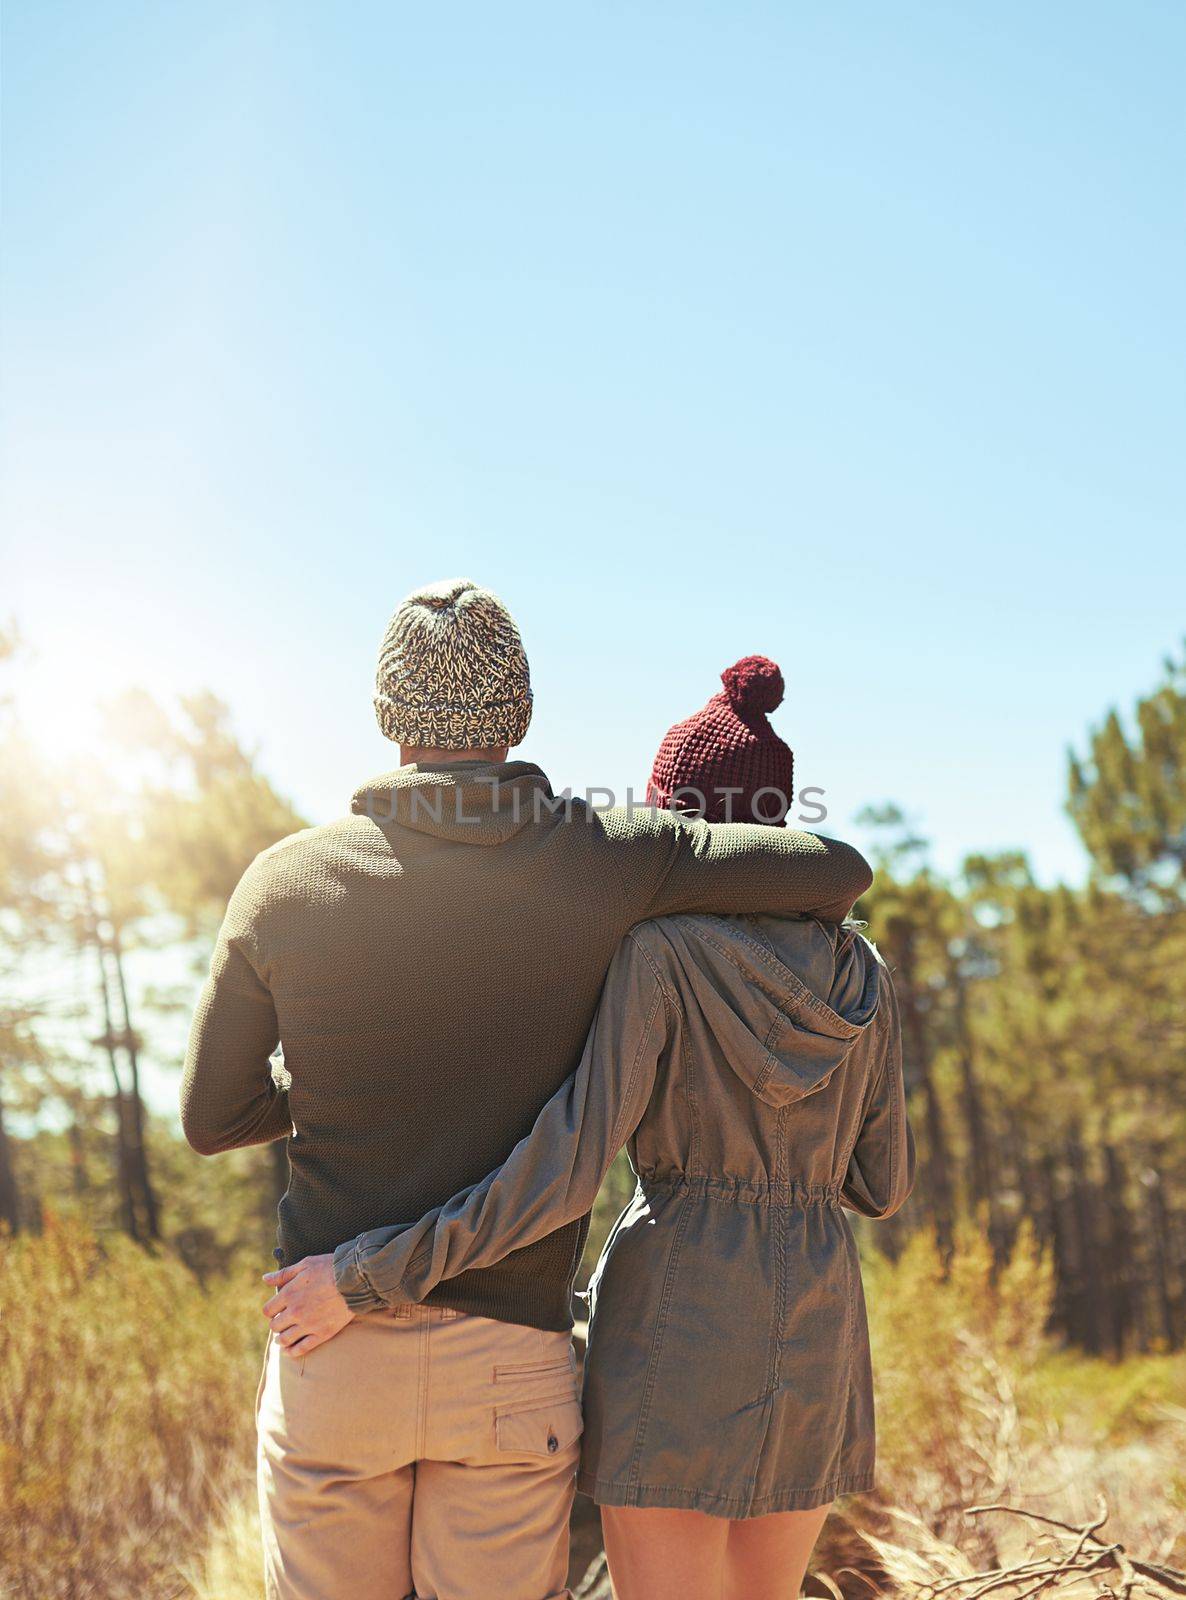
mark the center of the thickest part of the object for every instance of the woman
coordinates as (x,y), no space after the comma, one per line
(753,1065)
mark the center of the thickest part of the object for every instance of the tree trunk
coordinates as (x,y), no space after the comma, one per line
(129,1212)
(937,1164)
(124,1170)
(1089,1311)
(1163,1286)
(139,1150)
(1118,1254)
(981,1167)
(78,1175)
(1062,1311)
(10,1205)
(1035,1207)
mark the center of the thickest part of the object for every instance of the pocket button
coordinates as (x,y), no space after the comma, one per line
(546,1428)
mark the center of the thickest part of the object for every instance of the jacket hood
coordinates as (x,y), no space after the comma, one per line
(786,998)
(472,802)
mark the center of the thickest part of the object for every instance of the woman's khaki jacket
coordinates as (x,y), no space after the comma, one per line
(753,1065)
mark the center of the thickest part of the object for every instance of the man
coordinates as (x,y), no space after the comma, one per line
(432,964)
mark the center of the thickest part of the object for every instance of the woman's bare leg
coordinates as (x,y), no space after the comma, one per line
(766,1557)
(657,1554)
(660,1554)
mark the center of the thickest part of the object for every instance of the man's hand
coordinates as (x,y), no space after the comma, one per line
(307,1309)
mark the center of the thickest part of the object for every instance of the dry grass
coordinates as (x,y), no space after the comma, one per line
(126,1432)
(229,1568)
(125,1404)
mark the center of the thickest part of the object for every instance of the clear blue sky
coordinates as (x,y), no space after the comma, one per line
(851,334)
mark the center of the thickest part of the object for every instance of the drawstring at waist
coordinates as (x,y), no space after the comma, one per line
(742,1191)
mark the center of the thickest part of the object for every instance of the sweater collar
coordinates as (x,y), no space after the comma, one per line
(472,802)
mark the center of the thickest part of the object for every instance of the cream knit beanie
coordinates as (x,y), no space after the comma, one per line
(452,671)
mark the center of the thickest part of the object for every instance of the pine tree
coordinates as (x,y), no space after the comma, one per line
(1128,794)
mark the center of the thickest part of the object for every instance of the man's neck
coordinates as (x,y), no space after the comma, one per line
(428,756)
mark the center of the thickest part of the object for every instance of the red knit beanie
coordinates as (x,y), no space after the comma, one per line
(729,745)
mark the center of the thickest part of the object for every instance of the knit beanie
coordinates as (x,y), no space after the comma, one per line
(729,745)
(452,671)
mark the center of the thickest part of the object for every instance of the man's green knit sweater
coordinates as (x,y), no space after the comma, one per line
(432,964)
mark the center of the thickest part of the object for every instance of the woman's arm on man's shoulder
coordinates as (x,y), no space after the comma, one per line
(550,1178)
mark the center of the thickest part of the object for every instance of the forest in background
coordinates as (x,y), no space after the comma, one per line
(1045,1041)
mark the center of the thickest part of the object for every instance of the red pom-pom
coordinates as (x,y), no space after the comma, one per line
(754,685)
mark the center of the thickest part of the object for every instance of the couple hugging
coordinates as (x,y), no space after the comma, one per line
(481,1000)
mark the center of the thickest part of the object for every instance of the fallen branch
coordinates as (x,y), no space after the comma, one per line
(1128,1567)
(1108,1566)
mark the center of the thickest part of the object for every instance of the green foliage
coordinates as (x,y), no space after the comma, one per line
(211,1211)
(1044,1033)
(1128,795)
(202,809)
(1111,1403)
(103,862)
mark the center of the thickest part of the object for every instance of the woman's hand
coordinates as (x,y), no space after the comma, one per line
(307,1308)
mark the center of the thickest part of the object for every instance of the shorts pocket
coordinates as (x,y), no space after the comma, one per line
(528,1371)
(547,1429)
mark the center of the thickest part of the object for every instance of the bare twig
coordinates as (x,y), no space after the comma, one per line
(1115,1573)
(1021,1511)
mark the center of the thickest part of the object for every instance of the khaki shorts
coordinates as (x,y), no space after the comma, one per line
(421,1454)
